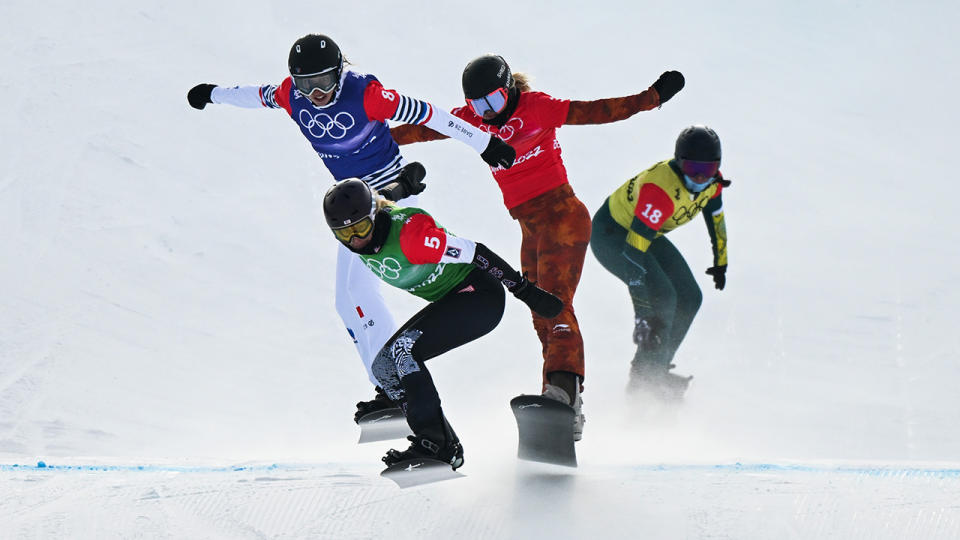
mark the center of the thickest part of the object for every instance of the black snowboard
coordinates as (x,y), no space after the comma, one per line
(383,425)
(545,427)
(419,471)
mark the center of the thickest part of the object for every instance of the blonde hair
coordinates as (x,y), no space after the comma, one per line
(382,202)
(522,81)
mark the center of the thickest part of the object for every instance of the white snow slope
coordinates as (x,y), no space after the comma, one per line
(170,354)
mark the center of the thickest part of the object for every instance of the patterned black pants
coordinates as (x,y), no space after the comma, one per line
(470,310)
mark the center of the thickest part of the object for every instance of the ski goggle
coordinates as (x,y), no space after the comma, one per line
(494,101)
(360,229)
(324,81)
(699,172)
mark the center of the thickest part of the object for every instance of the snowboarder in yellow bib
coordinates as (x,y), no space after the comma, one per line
(629,240)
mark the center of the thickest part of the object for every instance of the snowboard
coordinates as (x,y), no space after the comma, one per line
(383,425)
(419,471)
(545,428)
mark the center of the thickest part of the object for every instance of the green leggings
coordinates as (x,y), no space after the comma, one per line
(664,289)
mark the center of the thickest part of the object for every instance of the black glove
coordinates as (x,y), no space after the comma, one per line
(667,86)
(199,95)
(378,403)
(719,274)
(499,153)
(540,301)
(408,182)
(646,334)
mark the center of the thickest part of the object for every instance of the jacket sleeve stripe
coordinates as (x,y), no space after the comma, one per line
(411,111)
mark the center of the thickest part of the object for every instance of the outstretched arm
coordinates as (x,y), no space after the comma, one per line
(409,133)
(603,111)
(538,300)
(383,104)
(247,97)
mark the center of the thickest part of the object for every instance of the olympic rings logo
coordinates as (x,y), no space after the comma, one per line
(322,124)
(507,131)
(389,268)
(684,214)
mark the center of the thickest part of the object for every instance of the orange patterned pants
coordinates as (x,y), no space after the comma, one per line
(556,233)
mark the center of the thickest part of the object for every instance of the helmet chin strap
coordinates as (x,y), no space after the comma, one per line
(381,227)
(336,95)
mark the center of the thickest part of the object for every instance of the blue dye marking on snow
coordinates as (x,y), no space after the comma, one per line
(732,468)
(154,468)
(866,470)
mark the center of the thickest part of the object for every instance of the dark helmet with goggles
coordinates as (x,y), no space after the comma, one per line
(698,154)
(350,208)
(487,81)
(315,64)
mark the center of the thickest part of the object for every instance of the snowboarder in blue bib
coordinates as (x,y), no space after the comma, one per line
(343,114)
(463,281)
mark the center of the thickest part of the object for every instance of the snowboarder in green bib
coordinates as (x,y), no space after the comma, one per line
(463,281)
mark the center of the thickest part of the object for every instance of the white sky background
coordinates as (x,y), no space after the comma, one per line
(167,284)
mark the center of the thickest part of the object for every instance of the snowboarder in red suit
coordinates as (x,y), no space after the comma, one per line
(554,223)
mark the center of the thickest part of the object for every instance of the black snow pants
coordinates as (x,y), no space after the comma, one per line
(470,310)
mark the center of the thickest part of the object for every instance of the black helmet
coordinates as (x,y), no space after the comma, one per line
(315,62)
(349,207)
(698,143)
(484,75)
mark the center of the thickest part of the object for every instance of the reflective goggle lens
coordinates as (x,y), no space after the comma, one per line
(494,101)
(699,171)
(325,82)
(359,229)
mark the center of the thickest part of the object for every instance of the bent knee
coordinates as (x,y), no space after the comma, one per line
(690,302)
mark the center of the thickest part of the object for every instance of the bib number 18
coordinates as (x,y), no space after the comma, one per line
(651,214)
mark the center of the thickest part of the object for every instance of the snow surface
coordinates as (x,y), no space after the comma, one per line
(171,365)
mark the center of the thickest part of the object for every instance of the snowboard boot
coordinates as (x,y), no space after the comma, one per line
(378,403)
(561,387)
(421,447)
(658,381)
(443,447)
